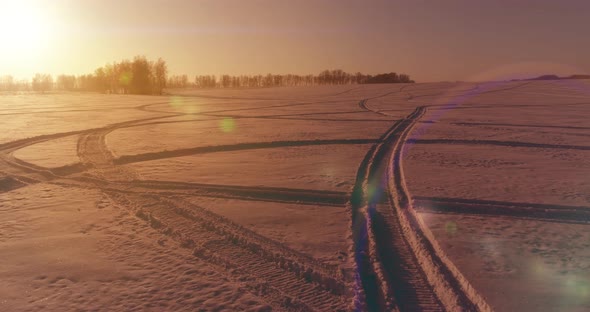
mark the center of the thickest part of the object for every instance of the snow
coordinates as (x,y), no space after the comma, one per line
(237,199)
(520,264)
(71,249)
(51,154)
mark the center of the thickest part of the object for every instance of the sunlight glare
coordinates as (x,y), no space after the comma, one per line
(25,28)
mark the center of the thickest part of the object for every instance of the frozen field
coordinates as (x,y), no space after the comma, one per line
(411,197)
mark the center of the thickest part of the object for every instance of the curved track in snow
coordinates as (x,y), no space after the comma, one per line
(399,264)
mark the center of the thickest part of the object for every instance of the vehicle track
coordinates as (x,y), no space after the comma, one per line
(126,159)
(302,119)
(265,98)
(452,288)
(541,212)
(452,106)
(499,143)
(25,173)
(398,263)
(364,106)
(532,211)
(147,108)
(275,194)
(446,93)
(9,183)
(377,251)
(253,193)
(505,89)
(287,278)
(491,124)
(18,173)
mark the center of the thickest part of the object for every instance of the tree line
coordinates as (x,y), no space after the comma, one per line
(142,76)
(137,76)
(326,77)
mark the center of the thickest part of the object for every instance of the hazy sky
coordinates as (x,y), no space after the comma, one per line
(430,40)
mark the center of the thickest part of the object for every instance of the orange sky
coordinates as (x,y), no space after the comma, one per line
(430,40)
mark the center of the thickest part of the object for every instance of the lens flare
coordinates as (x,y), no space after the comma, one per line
(125,78)
(176,101)
(227,125)
(451,228)
(576,288)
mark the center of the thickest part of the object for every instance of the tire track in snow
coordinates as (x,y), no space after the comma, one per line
(399,264)
(262,98)
(452,289)
(364,106)
(498,143)
(541,212)
(27,173)
(126,159)
(301,119)
(388,275)
(447,93)
(282,275)
(274,194)
(253,193)
(491,124)
(9,183)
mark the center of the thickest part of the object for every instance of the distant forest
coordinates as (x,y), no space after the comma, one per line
(142,76)
(555,77)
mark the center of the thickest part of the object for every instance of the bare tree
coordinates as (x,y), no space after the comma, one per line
(42,83)
(65,82)
(160,70)
(7,83)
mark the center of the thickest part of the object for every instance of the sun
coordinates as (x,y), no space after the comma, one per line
(24,28)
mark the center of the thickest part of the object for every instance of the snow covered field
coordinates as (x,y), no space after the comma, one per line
(419,196)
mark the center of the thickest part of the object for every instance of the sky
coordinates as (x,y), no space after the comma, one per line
(429,40)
